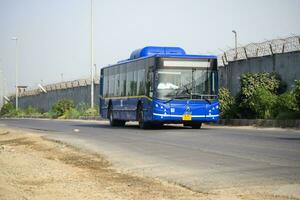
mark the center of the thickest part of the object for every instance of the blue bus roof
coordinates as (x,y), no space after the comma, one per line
(163,52)
(151,50)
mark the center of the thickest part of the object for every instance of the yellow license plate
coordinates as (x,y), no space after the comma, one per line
(187,117)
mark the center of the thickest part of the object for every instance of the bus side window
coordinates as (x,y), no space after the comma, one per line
(141,82)
(130,80)
(123,75)
(134,91)
(111,82)
(149,83)
(117,81)
(106,82)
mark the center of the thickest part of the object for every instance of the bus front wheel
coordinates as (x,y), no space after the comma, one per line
(196,125)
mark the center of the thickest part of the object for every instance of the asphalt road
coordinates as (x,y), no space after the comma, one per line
(208,159)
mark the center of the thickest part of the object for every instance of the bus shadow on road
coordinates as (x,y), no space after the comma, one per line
(134,126)
(289,139)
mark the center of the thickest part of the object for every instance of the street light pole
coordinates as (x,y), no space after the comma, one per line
(1,87)
(4,90)
(235,38)
(92,57)
(17,66)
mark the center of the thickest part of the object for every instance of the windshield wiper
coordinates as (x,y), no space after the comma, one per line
(202,97)
(208,98)
(178,97)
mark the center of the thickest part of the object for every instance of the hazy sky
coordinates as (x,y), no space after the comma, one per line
(54,35)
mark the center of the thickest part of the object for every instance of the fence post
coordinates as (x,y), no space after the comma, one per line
(283,46)
(225,57)
(245,53)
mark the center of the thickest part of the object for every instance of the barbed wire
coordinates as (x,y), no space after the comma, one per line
(59,86)
(253,50)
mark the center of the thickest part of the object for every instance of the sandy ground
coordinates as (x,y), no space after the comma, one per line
(34,167)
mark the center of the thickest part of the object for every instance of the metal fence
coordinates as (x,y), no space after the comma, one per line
(266,48)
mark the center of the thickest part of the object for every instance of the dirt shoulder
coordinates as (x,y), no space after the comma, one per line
(33,167)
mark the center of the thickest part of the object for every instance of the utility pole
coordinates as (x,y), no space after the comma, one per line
(17,66)
(235,38)
(4,91)
(92,56)
(96,72)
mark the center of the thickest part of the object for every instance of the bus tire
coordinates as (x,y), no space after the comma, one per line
(112,121)
(110,116)
(140,114)
(120,122)
(196,125)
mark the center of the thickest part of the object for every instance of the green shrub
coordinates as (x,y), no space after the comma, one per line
(250,84)
(262,95)
(282,88)
(50,114)
(16,113)
(227,104)
(6,109)
(13,113)
(71,114)
(286,102)
(262,102)
(296,93)
(91,112)
(31,111)
(288,115)
(61,107)
(82,107)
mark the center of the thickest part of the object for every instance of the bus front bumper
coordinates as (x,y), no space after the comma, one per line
(181,119)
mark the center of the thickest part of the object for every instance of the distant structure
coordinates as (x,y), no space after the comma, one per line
(279,55)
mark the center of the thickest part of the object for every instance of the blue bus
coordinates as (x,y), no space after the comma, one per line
(160,85)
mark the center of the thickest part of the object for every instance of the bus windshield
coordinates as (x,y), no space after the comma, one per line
(186,84)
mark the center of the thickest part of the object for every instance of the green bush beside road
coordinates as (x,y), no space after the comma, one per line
(262,96)
(227,103)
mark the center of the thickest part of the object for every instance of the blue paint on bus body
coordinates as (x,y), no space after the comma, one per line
(162,111)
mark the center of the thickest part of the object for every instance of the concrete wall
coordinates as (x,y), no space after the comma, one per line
(286,64)
(44,101)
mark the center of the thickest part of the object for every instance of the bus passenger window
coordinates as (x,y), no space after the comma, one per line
(106,83)
(149,81)
(141,82)
(129,86)
(123,80)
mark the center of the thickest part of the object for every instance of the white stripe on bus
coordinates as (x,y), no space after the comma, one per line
(168,115)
